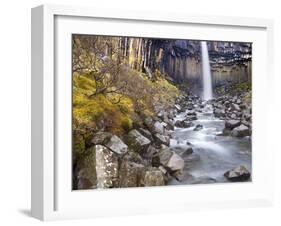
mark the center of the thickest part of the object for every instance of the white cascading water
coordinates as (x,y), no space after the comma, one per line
(207,79)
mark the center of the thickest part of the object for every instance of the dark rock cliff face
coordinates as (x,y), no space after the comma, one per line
(230,62)
(181,59)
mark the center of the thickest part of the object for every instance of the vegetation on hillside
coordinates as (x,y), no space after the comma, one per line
(108,95)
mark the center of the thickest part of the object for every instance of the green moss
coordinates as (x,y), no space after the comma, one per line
(242,87)
(114,112)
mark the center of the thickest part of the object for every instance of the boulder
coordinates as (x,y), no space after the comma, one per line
(191,113)
(162,139)
(219,113)
(153,177)
(101,138)
(137,141)
(226,132)
(116,145)
(175,163)
(198,127)
(133,156)
(164,155)
(146,133)
(182,150)
(148,121)
(86,170)
(231,124)
(238,174)
(130,174)
(191,118)
(158,128)
(240,131)
(183,124)
(169,125)
(235,107)
(107,167)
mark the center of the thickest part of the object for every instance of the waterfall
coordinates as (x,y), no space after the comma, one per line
(207,79)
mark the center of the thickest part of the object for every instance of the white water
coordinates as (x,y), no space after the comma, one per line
(207,79)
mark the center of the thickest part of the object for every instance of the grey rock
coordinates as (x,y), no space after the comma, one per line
(86,166)
(219,113)
(137,141)
(182,150)
(175,163)
(158,128)
(235,107)
(183,124)
(153,177)
(116,145)
(164,155)
(101,138)
(161,139)
(130,174)
(191,118)
(107,167)
(146,133)
(237,174)
(240,131)
(198,127)
(231,124)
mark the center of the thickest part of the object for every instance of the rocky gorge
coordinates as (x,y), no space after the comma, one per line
(140,118)
(171,147)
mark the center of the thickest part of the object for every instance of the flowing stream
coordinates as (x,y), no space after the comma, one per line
(212,155)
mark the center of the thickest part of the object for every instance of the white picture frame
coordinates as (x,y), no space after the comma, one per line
(52,197)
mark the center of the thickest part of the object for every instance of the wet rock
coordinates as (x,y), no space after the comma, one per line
(219,113)
(226,132)
(231,124)
(182,150)
(106,167)
(198,127)
(137,141)
(237,174)
(116,145)
(162,139)
(191,113)
(240,131)
(183,124)
(175,163)
(191,118)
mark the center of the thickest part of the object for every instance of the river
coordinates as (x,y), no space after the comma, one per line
(212,155)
